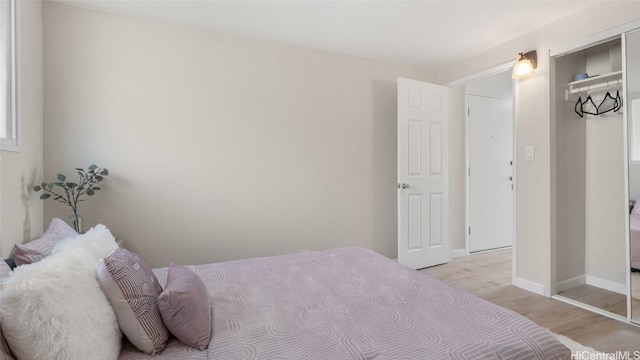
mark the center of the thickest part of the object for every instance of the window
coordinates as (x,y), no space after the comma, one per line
(8,119)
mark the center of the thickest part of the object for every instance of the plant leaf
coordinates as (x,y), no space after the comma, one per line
(104,172)
(71,185)
(45,196)
(99,178)
(96,188)
(93,167)
(61,177)
(90,192)
(37,188)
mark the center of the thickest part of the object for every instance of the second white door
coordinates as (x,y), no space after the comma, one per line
(490,142)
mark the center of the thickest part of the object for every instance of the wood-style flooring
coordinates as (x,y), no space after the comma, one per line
(488,275)
(603,299)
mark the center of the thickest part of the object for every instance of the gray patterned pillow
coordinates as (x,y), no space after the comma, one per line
(35,250)
(132,289)
(5,272)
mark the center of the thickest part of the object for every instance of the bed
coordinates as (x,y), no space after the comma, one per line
(350,303)
(345,303)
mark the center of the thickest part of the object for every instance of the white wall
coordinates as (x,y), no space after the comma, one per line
(605,241)
(21,210)
(220,147)
(570,175)
(533,128)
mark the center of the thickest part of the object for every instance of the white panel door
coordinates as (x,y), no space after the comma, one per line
(423,174)
(490,141)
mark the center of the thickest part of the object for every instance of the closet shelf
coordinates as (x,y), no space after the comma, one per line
(594,83)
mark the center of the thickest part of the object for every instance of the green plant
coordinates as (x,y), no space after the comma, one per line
(71,193)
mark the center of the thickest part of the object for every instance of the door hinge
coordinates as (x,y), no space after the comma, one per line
(469,111)
(469,171)
(469,230)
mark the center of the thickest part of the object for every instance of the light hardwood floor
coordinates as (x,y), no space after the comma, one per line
(488,275)
(600,298)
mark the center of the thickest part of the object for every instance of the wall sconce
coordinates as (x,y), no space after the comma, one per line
(525,65)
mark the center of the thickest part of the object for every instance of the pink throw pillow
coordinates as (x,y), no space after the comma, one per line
(132,289)
(186,308)
(35,250)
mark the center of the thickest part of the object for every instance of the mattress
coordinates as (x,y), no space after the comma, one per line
(351,303)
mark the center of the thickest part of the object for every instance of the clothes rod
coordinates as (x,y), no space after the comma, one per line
(595,87)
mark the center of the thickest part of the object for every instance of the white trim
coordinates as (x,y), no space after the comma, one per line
(593,309)
(606,284)
(529,286)
(570,283)
(514,182)
(483,74)
(459,253)
(595,39)
(625,167)
(14,144)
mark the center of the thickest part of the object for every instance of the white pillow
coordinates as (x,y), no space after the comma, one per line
(98,241)
(55,309)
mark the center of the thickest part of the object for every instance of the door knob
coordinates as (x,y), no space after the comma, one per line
(403,186)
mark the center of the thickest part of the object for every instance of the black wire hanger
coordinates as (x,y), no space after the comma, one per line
(589,106)
(609,103)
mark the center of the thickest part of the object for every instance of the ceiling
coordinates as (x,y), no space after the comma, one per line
(422,33)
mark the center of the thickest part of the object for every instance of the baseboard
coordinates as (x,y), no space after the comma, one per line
(570,283)
(459,253)
(606,284)
(529,286)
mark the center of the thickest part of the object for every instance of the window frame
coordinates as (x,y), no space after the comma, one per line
(12,143)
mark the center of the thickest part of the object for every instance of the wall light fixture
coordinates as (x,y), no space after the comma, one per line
(525,65)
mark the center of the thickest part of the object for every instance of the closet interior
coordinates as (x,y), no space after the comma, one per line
(591,198)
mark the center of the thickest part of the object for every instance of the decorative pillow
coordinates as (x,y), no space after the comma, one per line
(5,273)
(55,309)
(185,307)
(5,352)
(35,250)
(132,290)
(98,241)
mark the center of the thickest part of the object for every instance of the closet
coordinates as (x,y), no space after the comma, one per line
(595,97)
(590,225)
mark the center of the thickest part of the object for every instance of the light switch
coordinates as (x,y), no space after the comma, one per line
(529,153)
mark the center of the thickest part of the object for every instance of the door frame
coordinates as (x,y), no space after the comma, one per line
(508,66)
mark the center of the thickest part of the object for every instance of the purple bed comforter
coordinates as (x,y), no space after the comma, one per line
(351,303)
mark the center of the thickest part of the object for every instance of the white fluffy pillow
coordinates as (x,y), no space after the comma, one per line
(98,241)
(55,309)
